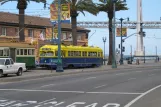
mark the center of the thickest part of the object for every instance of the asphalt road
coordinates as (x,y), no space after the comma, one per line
(136,87)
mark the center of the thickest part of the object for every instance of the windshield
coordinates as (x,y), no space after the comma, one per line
(47,54)
(2,61)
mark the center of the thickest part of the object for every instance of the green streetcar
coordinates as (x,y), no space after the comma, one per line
(19,52)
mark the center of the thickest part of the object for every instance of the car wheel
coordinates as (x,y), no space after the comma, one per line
(5,75)
(1,73)
(19,73)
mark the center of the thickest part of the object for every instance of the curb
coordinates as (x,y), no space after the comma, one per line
(69,73)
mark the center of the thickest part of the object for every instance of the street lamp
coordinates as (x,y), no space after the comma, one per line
(59,63)
(113,42)
(104,41)
(121,59)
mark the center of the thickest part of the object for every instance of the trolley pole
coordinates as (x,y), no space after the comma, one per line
(59,63)
(104,41)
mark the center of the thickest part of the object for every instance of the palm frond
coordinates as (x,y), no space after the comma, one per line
(88,6)
(62,1)
(5,1)
(108,6)
(38,1)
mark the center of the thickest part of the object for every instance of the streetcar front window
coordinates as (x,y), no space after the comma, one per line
(42,53)
(47,53)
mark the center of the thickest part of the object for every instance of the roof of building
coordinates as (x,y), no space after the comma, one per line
(32,20)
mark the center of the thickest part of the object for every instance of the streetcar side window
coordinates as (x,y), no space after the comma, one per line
(84,54)
(6,52)
(33,51)
(18,52)
(69,53)
(98,54)
(29,51)
(1,52)
(92,54)
(25,51)
(21,51)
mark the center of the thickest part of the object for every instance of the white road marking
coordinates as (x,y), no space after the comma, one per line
(112,105)
(114,93)
(48,85)
(142,95)
(31,102)
(100,86)
(131,79)
(46,101)
(90,78)
(80,92)
(42,91)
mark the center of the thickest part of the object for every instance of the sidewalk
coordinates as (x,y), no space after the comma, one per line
(33,74)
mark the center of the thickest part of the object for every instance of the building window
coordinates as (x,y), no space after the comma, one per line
(4,31)
(64,35)
(30,33)
(70,37)
(79,37)
(43,32)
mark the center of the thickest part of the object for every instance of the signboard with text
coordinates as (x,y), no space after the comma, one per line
(65,13)
(124,32)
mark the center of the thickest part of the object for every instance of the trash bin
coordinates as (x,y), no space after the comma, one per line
(129,62)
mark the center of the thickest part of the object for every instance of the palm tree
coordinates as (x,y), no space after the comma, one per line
(22,5)
(76,7)
(108,8)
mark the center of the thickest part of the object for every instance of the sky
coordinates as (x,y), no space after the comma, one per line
(150,13)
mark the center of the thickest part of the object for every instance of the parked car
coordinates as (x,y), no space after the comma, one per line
(8,66)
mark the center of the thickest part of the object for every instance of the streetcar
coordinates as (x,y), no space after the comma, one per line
(19,52)
(72,56)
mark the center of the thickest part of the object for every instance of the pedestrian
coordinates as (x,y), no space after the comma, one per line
(137,61)
(158,59)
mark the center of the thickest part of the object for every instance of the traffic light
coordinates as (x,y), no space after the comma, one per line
(119,46)
(142,33)
(123,49)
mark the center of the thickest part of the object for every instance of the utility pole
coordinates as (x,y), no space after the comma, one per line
(114,65)
(59,63)
(131,53)
(104,41)
(121,59)
(113,39)
(156,53)
(144,54)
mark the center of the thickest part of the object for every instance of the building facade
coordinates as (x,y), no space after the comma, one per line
(36,26)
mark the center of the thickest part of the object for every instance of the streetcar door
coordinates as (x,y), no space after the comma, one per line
(13,54)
